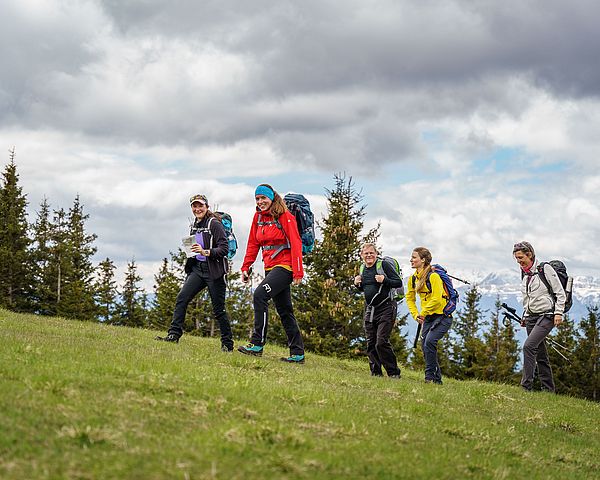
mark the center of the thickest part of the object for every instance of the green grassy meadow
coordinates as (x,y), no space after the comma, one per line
(86,401)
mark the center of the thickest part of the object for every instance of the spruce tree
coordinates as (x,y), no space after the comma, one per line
(16,275)
(567,374)
(77,290)
(586,358)
(328,306)
(105,289)
(167,283)
(43,296)
(130,310)
(467,348)
(500,352)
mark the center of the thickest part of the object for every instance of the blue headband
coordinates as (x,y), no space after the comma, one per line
(266,191)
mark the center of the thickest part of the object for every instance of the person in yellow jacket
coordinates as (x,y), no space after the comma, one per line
(434,324)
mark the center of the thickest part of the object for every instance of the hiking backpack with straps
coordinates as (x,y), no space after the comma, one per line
(566,281)
(299,206)
(227,222)
(450,293)
(396,293)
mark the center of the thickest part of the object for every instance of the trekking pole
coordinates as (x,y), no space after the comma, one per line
(553,345)
(416,342)
(459,279)
(511,314)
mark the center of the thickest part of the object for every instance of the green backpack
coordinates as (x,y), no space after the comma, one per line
(396,293)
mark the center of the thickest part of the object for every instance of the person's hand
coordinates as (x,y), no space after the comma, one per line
(196,248)
(557,320)
(357,280)
(420,319)
(297,281)
(379,278)
(245,276)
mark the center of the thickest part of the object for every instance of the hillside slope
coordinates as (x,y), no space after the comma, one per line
(81,400)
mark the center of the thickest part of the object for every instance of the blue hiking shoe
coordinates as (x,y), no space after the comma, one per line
(251,349)
(293,359)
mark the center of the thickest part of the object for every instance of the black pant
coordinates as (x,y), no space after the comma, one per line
(195,282)
(378,327)
(276,286)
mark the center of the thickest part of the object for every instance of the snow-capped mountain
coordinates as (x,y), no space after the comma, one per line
(505,285)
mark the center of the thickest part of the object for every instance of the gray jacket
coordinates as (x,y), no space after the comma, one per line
(536,298)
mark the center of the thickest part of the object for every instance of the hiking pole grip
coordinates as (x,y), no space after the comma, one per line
(416,342)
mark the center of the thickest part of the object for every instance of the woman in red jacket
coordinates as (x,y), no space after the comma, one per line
(274,230)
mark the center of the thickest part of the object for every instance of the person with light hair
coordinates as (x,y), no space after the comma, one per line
(380,310)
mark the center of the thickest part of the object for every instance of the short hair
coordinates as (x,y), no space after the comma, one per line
(369,245)
(524,247)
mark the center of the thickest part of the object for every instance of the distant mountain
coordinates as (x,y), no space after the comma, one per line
(506,286)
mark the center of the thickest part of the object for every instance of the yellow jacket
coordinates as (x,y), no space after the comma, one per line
(431,302)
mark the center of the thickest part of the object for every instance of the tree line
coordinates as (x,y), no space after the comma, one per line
(47,268)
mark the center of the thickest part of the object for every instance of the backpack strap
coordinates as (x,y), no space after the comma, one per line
(278,248)
(542,275)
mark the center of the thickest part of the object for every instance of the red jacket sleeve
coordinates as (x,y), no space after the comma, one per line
(252,246)
(290,228)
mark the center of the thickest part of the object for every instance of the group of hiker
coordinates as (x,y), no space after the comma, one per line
(275,231)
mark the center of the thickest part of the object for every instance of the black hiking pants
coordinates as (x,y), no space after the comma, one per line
(379,322)
(196,281)
(276,286)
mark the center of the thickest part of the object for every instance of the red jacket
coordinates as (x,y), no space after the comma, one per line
(268,235)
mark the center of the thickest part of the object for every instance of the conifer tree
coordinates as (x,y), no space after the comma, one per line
(567,374)
(467,347)
(586,358)
(328,306)
(500,353)
(77,292)
(105,289)
(130,310)
(15,262)
(43,296)
(167,283)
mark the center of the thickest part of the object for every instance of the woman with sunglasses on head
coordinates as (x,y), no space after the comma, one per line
(434,323)
(206,269)
(542,311)
(275,232)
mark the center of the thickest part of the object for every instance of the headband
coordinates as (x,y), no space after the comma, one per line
(266,191)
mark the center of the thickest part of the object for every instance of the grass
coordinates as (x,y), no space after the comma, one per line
(87,401)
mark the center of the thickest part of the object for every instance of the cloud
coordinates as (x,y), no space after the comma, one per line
(469,124)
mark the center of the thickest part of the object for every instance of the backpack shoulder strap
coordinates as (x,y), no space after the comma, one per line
(379,267)
(542,275)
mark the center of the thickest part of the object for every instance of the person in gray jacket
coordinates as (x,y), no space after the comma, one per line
(542,311)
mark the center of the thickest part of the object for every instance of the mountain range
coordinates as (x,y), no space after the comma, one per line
(505,285)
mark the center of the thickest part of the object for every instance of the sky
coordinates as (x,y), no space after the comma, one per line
(466,125)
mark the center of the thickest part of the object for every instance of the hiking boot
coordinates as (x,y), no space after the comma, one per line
(251,349)
(169,338)
(225,348)
(293,359)
(395,377)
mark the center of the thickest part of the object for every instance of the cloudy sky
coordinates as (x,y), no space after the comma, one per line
(468,125)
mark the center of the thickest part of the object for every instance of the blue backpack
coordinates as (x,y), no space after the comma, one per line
(231,240)
(450,293)
(299,206)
